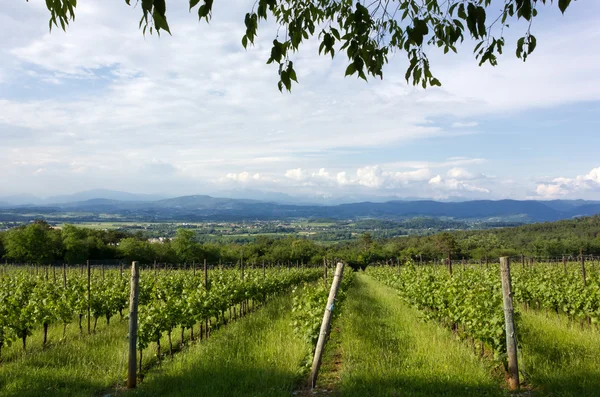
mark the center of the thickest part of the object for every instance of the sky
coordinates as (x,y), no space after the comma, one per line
(103,107)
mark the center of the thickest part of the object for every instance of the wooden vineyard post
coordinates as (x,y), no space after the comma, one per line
(421,259)
(89,296)
(509,313)
(242,266)
(449,264)
(523,261)
(564,260)
(121,269)
(264,269)
(583,268)
(325,271)
(335,285)
(133,326)
(194,268)
(64,276)
(206,288)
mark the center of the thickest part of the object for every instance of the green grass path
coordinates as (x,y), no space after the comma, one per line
(559,358)
(258,356)
(387,350)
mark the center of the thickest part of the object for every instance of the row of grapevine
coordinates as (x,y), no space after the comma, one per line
(30,302)
(175,300)
(559,288)
(470,299)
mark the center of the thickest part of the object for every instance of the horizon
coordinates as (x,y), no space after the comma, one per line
(487,133)
(124,196)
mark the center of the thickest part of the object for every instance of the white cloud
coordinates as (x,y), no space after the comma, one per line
(467,124)
(243,177)
(455,185)
(296,174)
(564,187)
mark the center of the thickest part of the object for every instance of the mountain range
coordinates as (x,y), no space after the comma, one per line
(202,207)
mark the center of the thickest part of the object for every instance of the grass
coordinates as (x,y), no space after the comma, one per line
(558,358)
(259,356)
(248,350)
(387,350)
(79,366)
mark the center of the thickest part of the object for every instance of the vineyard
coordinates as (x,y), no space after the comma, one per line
(48,312)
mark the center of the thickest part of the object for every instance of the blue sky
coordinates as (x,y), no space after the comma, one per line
(101,106)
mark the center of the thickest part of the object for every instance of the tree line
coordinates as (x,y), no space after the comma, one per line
(40,243)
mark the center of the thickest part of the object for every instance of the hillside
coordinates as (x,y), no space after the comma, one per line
(202,207)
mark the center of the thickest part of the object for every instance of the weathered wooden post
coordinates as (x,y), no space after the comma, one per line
(206,288)
(64,276)
(564,260)
(325,271)
(583,268)
(421,259)
(449,264)
(242,265)
(523,261)
(509,313)
(89,296)
(335,285)
(133,326)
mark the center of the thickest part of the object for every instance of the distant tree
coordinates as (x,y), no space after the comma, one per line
(446,244)
(164,252)
(35,243)
(133,249)
(367,32)
(185,246)
(74,242)
(365,240)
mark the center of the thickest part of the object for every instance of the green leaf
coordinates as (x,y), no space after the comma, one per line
(532,43)
(563,4)
(350,70)
(160,22)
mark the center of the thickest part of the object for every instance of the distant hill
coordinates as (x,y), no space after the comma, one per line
(18,200)
(202,207)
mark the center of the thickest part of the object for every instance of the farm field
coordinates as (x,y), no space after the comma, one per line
(66,360)
(402,330)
